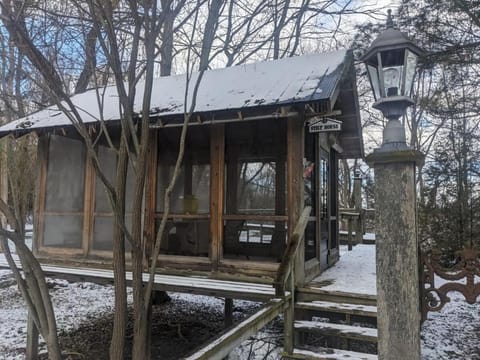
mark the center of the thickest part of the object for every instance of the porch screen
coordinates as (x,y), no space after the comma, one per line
(64,193)
(188,228)
(103,216)
(255,178)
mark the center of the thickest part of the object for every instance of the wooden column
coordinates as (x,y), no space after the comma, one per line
(295,187)
(228,312)
(278,240)
(151,192)
(88,205)
(357,200)
(40,192)
(217,159)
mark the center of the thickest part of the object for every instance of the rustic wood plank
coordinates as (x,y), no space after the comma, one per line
(184,216)
(223,345)
(341,308)
(295,196)
(331,354)
(339,330)
(312,293)
(217,160)
(256,217)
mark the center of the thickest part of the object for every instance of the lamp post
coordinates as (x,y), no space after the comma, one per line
(391,63)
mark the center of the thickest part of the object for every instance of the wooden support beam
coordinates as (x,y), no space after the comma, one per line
(228,312)
(357,199)
(40,191)
(32,339)
(278,240)
(217,160)
(350,230)
(223,345)
(88,205)
(295,187)
(151,192)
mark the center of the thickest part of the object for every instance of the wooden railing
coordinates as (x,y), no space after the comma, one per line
(286,274)
(286,267)
(353,215)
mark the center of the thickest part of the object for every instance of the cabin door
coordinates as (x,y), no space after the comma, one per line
(322,206)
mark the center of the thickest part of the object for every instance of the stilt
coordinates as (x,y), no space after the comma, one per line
(228,312)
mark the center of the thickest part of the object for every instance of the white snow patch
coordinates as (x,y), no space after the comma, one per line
(355,272)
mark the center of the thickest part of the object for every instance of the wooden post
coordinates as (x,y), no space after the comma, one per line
(398,298)
(350,237)
(289,318)
(278,241)
(40,192)
(295,187)
(357,199)
(217,159)
(89,205)
(32,339)
(151,192)
(228,312)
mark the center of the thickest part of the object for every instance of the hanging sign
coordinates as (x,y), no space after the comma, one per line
(325,125)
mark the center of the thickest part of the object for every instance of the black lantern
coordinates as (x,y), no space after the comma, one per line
(391,62)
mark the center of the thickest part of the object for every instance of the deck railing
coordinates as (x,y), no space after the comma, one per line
(286,274)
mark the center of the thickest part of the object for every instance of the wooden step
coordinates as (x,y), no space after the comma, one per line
(313,292)
(339,330)
(339,308)
(331,354)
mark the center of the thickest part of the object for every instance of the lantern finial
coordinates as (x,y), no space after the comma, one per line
(389,19)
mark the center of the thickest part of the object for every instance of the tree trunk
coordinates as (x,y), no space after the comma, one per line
(117,345)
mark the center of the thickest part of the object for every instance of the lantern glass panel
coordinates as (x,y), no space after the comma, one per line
(374,80)
(411,64)
(393,57)
(392,77)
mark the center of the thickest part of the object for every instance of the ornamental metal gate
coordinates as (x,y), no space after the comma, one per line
(437,280)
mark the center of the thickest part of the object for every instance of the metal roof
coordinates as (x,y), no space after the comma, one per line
(291,80)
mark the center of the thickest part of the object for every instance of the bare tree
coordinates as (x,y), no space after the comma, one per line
(125,39)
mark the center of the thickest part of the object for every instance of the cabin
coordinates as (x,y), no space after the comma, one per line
(263,143)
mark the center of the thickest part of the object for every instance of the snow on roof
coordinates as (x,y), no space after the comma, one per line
(290,80)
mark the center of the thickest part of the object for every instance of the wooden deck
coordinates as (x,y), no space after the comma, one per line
(185,284)
(351,280)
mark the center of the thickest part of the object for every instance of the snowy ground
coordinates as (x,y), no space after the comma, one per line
(452,333)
